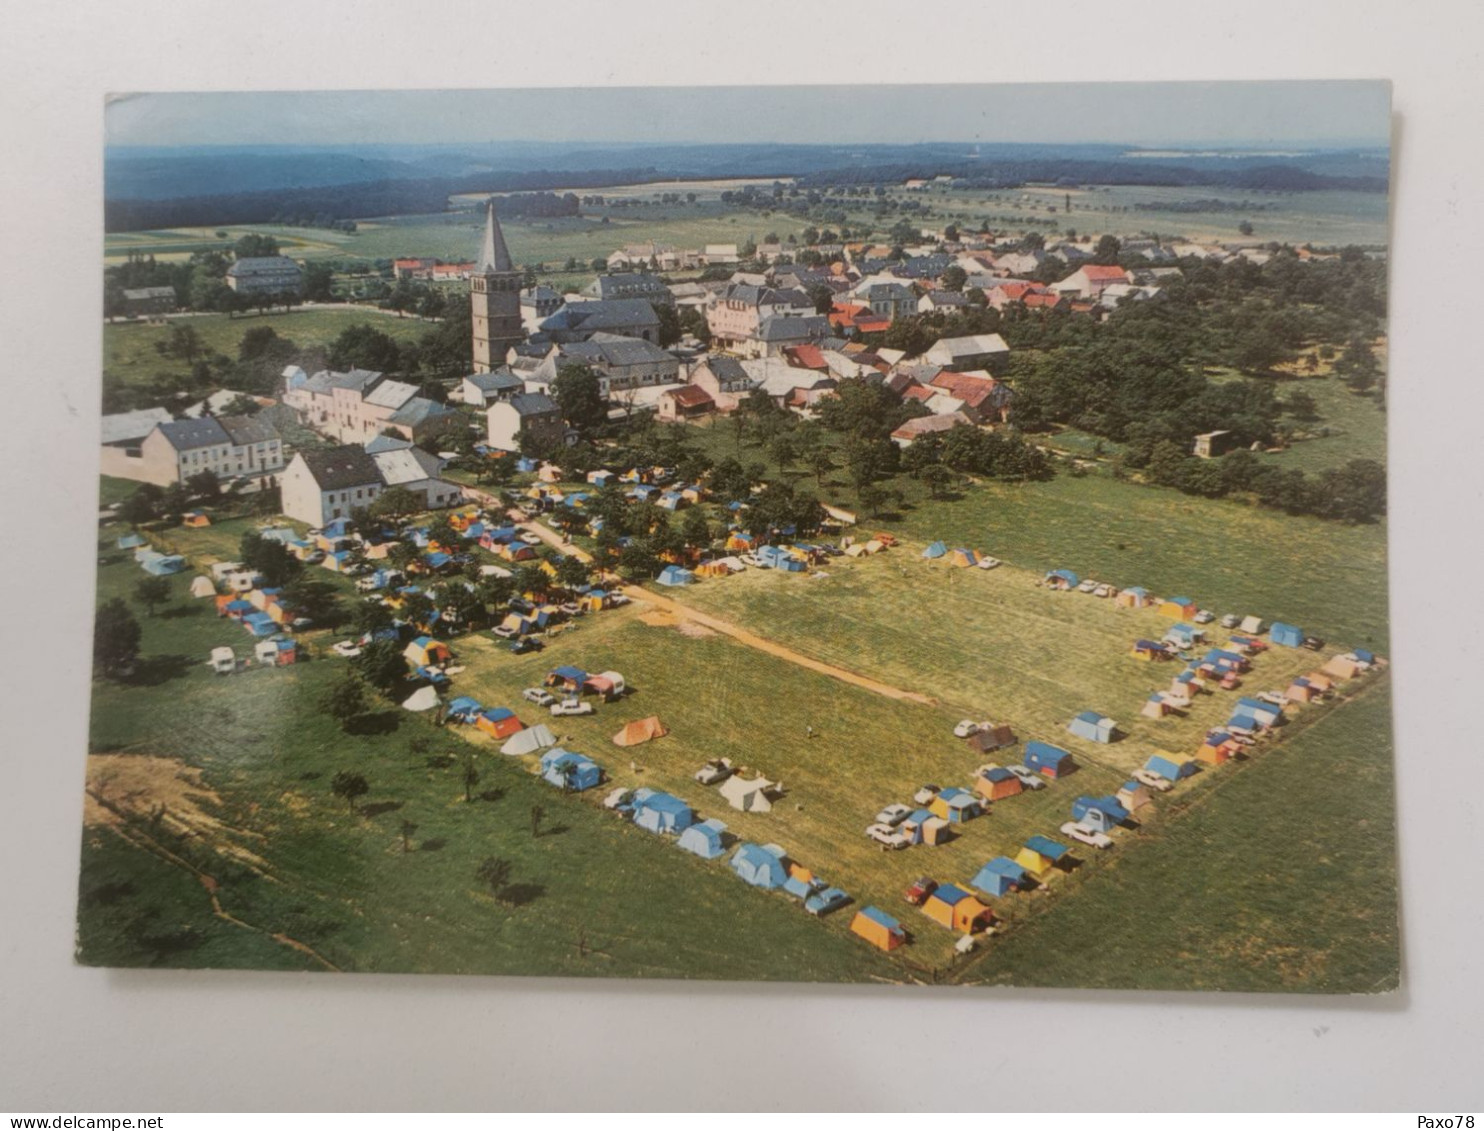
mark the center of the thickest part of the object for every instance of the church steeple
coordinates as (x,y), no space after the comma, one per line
(493,255)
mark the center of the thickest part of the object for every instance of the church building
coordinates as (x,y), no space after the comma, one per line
(494,291)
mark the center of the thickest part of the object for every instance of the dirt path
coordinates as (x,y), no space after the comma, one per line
(684,613)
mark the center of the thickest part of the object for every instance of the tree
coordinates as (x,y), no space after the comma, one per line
(115,638)
(494,873)
(872,499)
(142,506)
(396,503)
(1357,365)
(937,478)
(470,778)
(578,393)
(255,245)
(351,786)
(316,599)
(1245,227)
(382,665)
(270,558)
(204,485)
(573,572)
(1107,250)
(362,346)
(954,278)
(182,343)
(345,700)
(783,451)
(152,591)
(537,813)
(407,829)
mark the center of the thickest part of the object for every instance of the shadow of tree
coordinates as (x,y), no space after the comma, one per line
(494,794)
(376,809)
(378,722)
(151,671)
(440,761)
(311,775)
(174,612)
(518,895)
(435,844)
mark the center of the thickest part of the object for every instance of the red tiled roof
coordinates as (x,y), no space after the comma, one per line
(919,392)
(1098,271)
(973,391)
(805,356)
(1041,298)
(690,396)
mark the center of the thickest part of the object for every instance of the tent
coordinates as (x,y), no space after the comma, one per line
(1133,796)
(1253,625)
(423,699)
(1181,608)
(424,652)
(202,586)
(704,839)
(194,519)
(1156,706)
(1148,650)
(464,710)
(1134,597)
(131,541)
(986,740)
(1171,767)
(999,876)
(1039,856)
(1062,579)
(748,796)
(1093,727)
(1290,636)
(997,783)
(1046,759)
(956,909)
(570,771)
(609,685)
(674,575)
(1340,667)
(259,624)
(567,677)
(1183,635)
(223,661)
(163,565)
(936,550)
(529,740)
(963,558)
(878,928)
(1101,813)
(498,722)
(234,607)
(956,805)
(640,730)
(661,812)
(760,865)
(1364,657)
(922,827)
(1268,714)
(1217,748)
(1301,690)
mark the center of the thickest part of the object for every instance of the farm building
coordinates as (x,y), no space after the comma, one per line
(498,722)
(956,805)
(1093,727)
(999,876)
(1133,796)
(956,909)
(639,731)
(986,740)
(1134,597)
(1039,856)
(1181,608)
(569,770)
(1062,579)
(997,783)
(747,796)
(1046,759)
(528,741)
(1149,650)
(704,839)
(878,928)
(923,827)
(1290,636)
(674,575)
(1171,767)
(1341,667)
(1101,813)
(661,812)
(761,865)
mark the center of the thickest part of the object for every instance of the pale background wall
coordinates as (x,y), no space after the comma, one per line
(89,1039)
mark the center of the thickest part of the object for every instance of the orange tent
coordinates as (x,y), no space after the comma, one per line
(640,730)
(878,928)
(1341,668)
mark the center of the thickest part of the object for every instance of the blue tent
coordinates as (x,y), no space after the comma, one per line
(574,771)
(959,805)
(438,559)
(1183,635)
(1268,714)
(339,528)
(1093,727)
(1364,656)
(661,812)
(130,541)
(1066,576)
(1046,847)
(1101,813)
(1047,759)
(674,575)
(1286,634)
(799,889)
(464,710)
(760,865)
(703,838)
(164,565)
(525,463)
(1168,769)
(999,876)
(936,550)
(259,624)
(1245,722)
(239,607)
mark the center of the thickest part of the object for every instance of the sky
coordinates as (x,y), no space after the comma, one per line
(1244,114)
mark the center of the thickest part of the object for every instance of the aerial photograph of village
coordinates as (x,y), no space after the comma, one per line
(783,534)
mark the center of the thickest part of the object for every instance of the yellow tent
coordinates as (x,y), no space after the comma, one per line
(640,730)
(1035,863)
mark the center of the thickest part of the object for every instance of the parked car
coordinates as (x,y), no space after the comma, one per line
(572,706)
(1276,698)
(616,599)
(989,563)
(539,696)
(925,795)
(1153,781)
(886,836)
(1313,643)
(299,624)
(1088,586)
(347,648)
(1205,616)
(1239,733)
(1086,835)
(821,903)
(919,889)
(1028,777)
(1104,591)
(893,815)
(1231,620)
(505,633)
(526,644)
(571,608)
(716,770)
(966,728)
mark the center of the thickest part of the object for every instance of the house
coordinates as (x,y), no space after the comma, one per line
(1209,445)
(947,302)
(920,426)
(1290,636)
(537,304)
(890,300)
(1046,759)
(570,771)
(761,865)
(321,485)
(878,928)
(417,471)
(620,362)
(724,379)
(661,812)
(579,321)
(982,398)
(265,275)
(685,403)
(145,302)
(175,450)
(629,284)
(533,414)
(1093,727)
(1039,856)
(482,389)
(735,316)
(952,907)
(999,877)
(1091,279)
(704,839)
(977,351)
(123,435)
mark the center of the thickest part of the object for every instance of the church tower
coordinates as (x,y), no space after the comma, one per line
(494,292)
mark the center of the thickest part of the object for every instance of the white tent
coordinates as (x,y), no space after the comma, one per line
(202,586)
(530,740)
(1253,625)
(748,796)
(423,699)
(223,660)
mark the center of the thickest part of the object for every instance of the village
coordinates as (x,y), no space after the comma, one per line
(488,563)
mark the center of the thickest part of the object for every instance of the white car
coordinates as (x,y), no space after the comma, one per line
(887,837)
(1205,616)
(1088,586)
(989,563)
(893,815)
(1153,781)
(967,728)
(1231,620)
(572,707)
(347,648)
(925,795)
(1104,591)
(1086,835)
(538,696)
(714,771)
(617,599)
(1274,697)
(1028,777)
(504,633)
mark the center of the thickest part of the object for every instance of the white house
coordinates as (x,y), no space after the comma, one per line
(321,486)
